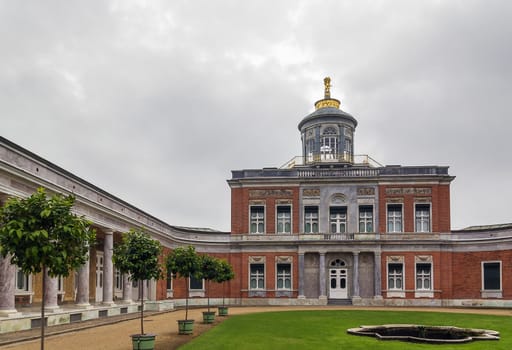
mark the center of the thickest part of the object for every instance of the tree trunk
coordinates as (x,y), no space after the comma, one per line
(42,309)
(141,291)
(186,297)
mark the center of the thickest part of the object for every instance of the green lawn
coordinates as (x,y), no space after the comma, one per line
(327,330)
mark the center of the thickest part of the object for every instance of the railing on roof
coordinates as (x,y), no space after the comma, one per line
(357,160)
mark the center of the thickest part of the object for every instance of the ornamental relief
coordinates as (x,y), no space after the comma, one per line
(270,193)
(409,190)
(284,259)
(257,259)
(311,192)
(395,259)
(423,258)
(366,191)
(423,200)
(394,200)
(338,198)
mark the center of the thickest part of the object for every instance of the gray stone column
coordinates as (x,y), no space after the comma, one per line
(50,290)
(108,268)
(127,289)
(356,274)
(377,275)
(82,295)
(7,287)
(321,274)
(301,276)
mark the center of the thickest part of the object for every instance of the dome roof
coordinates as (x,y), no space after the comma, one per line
(327,110)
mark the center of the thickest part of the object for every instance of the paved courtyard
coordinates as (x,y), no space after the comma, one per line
(114,334)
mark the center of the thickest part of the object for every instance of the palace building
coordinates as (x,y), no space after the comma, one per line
(328,227)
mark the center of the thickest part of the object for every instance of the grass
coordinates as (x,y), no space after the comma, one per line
(327,330)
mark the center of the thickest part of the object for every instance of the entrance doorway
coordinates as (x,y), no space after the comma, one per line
(99,276)
(338,286)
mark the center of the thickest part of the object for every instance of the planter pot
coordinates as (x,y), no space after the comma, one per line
(223,310)
(208,317)
(143,341)
(185,326)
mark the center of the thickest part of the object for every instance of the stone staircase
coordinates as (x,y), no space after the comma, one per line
(339,301)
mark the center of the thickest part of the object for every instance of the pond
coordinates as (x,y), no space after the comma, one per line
(425,334)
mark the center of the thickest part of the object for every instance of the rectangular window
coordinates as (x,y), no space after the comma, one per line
(338,219)
(422,217)
(284,276)
(395,277)
(168,281)
(257,277)
(257,219)
(22,281)
(119,280)
(366,218)
(196,283)
(491,275)
(311,219)
(284,219)
(423,276)
(395,218)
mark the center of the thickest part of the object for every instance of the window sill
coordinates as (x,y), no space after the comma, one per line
(196,293)
(496,294)
(424,294)
(397,294)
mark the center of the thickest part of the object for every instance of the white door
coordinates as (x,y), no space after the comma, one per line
(99,276)
(338,283)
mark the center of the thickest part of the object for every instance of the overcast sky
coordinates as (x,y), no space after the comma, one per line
(157,101)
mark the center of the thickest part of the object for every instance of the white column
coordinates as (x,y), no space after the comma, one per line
(82,297)
(108,268)
(321,273)
(7,287)
(127,289)
(377,275)
(50,290)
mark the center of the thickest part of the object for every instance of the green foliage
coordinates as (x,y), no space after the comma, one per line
(42,232)
(210,267)
(225,272)
(138,255)
(184,262)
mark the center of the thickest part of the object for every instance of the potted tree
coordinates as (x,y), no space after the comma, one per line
(225,273)
(210,269)
(184,262)
(139,256)
(41,234)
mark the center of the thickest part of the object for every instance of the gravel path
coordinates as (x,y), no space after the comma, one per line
(115,336)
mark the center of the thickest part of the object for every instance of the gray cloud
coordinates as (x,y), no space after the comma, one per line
(156,102)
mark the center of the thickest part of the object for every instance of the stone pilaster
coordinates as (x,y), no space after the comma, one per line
(108,268)
(377,275)
(301,276)
(356,274)
(321,274)
(7,287)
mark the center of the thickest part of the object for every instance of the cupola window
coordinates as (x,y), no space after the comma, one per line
(329,144)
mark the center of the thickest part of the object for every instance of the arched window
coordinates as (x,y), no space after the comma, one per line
(329,144)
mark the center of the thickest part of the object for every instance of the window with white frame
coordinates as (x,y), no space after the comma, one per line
(284,219)
(366,218)
(196,283)
(257,276)
(311,219)
(22,281)
(422,217)
(168,280)
(119,279)
(284,276)
(423,276)
(257,219)
(395,276)
(338,219)
(395,218)
(491,276)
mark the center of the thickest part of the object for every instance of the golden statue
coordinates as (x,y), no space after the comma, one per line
(327,85)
